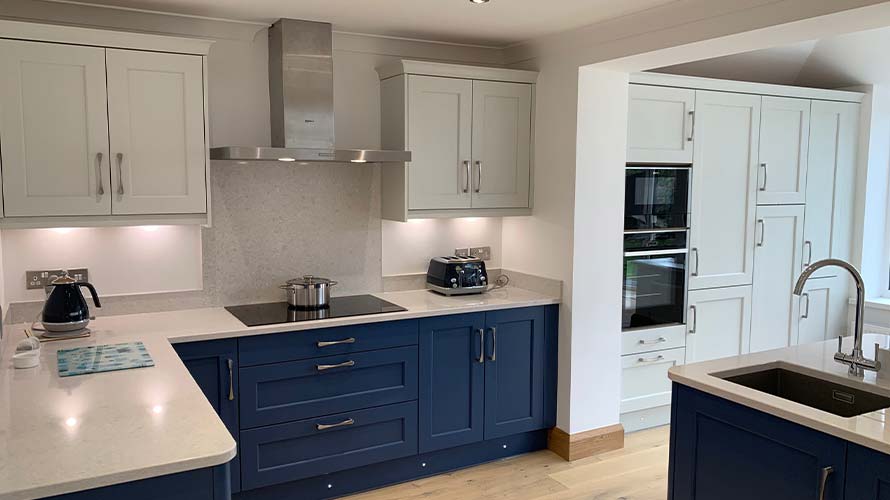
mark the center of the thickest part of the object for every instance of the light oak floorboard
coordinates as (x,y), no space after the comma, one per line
(636,472)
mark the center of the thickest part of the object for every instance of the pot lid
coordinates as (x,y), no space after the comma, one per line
(64,279)
(310,280)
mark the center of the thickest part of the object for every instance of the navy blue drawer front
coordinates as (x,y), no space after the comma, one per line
(297,450)
(283,392)
(265,349)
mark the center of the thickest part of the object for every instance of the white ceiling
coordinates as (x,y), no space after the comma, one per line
(496,24)
(841,61)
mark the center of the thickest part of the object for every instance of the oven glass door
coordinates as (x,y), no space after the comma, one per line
(654,288)
(656,198)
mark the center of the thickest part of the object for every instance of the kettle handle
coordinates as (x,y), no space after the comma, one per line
(92,292)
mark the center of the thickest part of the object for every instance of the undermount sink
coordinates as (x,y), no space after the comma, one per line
(814,392)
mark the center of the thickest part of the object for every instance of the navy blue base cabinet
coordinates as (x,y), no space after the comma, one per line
(201,484)
(868,474)
(723,450)
(328,412)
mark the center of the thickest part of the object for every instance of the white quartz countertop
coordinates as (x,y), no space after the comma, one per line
(871,430)
(60,435)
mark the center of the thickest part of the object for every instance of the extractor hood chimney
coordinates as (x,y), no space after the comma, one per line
(301,94)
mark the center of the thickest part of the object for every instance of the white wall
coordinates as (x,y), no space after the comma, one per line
(408,246)
(121,260)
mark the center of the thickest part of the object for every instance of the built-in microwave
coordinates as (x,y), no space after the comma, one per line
(656,197)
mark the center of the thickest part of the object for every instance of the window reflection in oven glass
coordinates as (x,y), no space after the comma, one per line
(654,287)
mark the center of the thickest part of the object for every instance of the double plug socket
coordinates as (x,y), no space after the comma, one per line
(483,253)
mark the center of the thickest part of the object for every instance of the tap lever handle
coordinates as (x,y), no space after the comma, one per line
(840,343)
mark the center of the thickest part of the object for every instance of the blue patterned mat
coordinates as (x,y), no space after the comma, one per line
(103,358)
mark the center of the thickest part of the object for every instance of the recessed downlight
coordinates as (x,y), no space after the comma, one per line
(287,159)
(479,1)
(358,161)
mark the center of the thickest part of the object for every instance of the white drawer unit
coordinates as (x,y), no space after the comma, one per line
(653,339)
(644,378)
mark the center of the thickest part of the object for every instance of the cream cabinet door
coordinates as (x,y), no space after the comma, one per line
(823,309)
(502,114)
(784,144)
(831,174)
(660,124)
(54,129)
(156,123)
(644,378)
(724,183)
(718,322)
(440,125)
(777,259)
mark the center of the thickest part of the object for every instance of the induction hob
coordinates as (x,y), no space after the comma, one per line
(340,307)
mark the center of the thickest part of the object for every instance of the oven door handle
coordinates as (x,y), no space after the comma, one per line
(648,253)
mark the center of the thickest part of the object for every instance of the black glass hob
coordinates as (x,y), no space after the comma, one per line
(340,307)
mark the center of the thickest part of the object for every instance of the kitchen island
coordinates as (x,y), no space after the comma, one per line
(783,424)
(128,434)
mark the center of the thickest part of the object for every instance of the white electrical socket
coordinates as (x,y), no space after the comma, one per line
(483,253)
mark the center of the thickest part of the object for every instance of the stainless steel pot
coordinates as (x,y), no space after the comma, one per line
(308,292)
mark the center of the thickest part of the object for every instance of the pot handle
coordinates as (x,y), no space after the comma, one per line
(92,292)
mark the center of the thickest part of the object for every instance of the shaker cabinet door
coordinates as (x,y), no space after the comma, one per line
(823,309)
(719,323)
(156,117)
(54,127)
(784,142)
(777,258)
(440,124)
(724,177)
(501,144)
(660,124)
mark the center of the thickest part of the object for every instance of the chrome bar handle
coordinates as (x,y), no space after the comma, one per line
(479,180)
(466,188)
(327,343)
(481,346)
(120,174)
(659,340)
(344,364)
(694,313)
(344,423)
(823,480)
(762,224)
(809,246)
(494,344)
(231,380)
(100,189)
(695,251)
(653,359)
(765,168)
(806,314)
(692,128)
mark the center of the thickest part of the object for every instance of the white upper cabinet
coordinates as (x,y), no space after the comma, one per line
(660,124)
(440,124)
(101,127)
(156,124)
(784,141)
(831,174)
(470,132)
(718,322)
(53,129)
(777,259)
(501,144)
(724,178)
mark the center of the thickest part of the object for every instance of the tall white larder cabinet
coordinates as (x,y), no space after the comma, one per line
(777,263)
(724,177)
(470,133)
(95,132)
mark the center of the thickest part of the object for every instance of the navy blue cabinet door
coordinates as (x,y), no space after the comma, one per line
(515,358)
(720,449)
(214,366)
(451,381)
(868,474)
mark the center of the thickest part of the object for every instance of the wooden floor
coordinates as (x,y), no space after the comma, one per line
(636,472)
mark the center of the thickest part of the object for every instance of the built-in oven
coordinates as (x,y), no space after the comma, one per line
(654,279)
(656,197)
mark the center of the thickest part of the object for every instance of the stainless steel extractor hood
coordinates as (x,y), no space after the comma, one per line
(301,93)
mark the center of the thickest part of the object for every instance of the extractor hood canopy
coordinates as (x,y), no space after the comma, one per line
(301,94)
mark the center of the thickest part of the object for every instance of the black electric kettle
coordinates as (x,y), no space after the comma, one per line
(66,309)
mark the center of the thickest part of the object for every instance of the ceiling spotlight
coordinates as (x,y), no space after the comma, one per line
(479,1)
